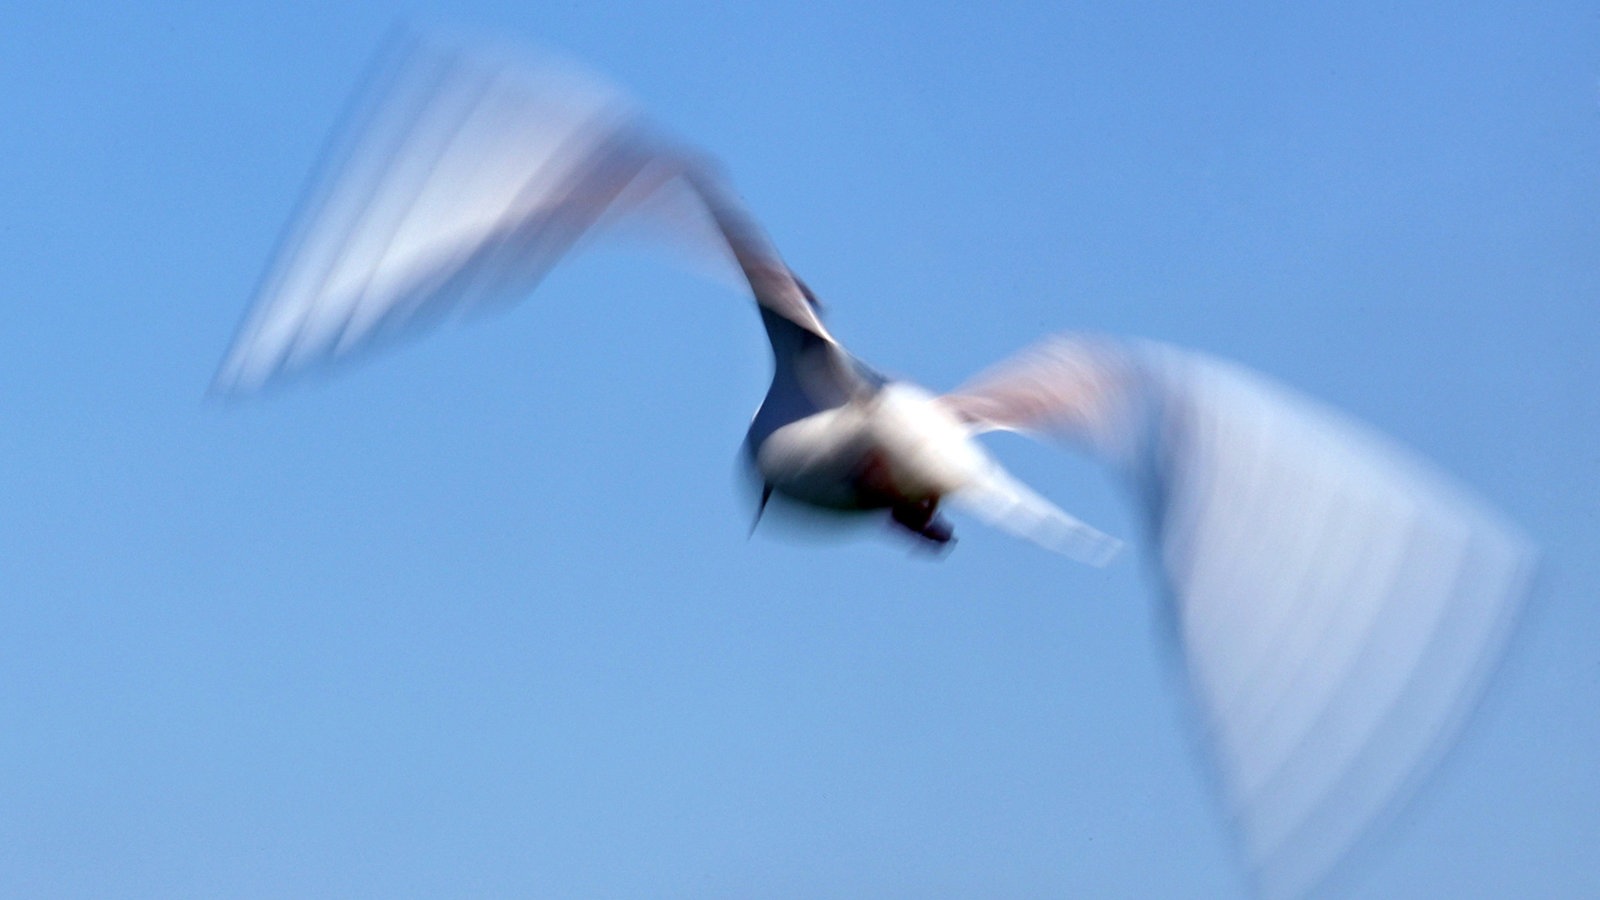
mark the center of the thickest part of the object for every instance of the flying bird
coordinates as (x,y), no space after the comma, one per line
(1337,603)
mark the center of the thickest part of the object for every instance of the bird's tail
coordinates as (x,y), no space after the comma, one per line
(1001,500)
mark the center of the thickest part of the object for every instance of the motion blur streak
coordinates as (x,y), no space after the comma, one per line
(459,182)
(1337,604)
(1339,607)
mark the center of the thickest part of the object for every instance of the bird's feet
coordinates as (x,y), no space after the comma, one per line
(923,520)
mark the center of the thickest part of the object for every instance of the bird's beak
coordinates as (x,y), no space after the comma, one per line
(766,494)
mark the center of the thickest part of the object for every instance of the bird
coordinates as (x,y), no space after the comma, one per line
(1336,602)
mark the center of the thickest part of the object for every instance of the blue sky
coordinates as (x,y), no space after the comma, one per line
(480,616)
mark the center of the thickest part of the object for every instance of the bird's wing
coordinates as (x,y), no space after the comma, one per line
(775,287)
(463,176)
(1337,603)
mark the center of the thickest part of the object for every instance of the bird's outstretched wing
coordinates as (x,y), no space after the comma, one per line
(1337,603)
(462,177)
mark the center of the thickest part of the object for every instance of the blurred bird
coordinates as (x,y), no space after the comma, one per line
(1336,602)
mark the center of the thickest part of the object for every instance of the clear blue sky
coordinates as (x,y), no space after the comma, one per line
(480,616)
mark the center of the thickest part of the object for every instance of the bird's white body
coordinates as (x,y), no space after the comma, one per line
(931,453)
(899,441)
